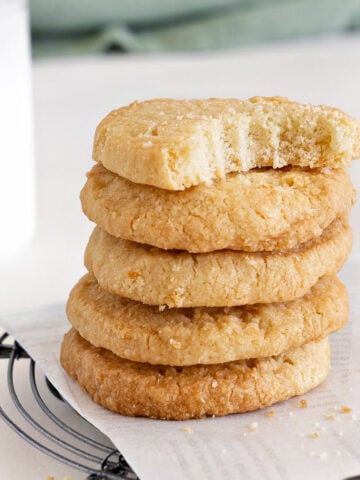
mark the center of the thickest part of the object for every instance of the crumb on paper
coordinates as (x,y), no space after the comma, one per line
(253,426)
(330,416)
(315,435)
(65,478)
(345,409)
(303,403)
(187,430)
(270,413)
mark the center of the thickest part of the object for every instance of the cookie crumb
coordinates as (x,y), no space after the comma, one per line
(187,430)
(303,403)
(345,409)
(253,426)
(270,413)
(162,308)
(315,435)
(65,478)
(147,144)
(214,384)
(330,416)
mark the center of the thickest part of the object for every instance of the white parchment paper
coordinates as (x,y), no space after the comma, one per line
(247,446)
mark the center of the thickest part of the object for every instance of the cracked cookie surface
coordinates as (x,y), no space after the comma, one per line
(180,393)
(217,279)
(193,336)
(253,211)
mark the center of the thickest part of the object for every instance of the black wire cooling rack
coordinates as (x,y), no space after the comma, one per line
(98,461)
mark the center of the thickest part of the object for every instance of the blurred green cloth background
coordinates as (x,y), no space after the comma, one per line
(86,26)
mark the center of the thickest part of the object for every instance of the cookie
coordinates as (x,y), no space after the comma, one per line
(157,391)
(253,211)
(174,144)
(217,279)
(193,336)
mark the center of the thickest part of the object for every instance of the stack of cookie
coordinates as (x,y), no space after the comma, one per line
(221,225)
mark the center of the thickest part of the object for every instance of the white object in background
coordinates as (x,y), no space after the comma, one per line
(16,134)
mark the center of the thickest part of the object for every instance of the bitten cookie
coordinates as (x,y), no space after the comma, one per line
(140,389)
(193,336)
(223,278)
(253,211)
(174,144)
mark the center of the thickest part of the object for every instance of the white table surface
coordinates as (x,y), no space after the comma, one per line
(71,96)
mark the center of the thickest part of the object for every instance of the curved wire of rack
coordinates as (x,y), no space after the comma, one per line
(106,464)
